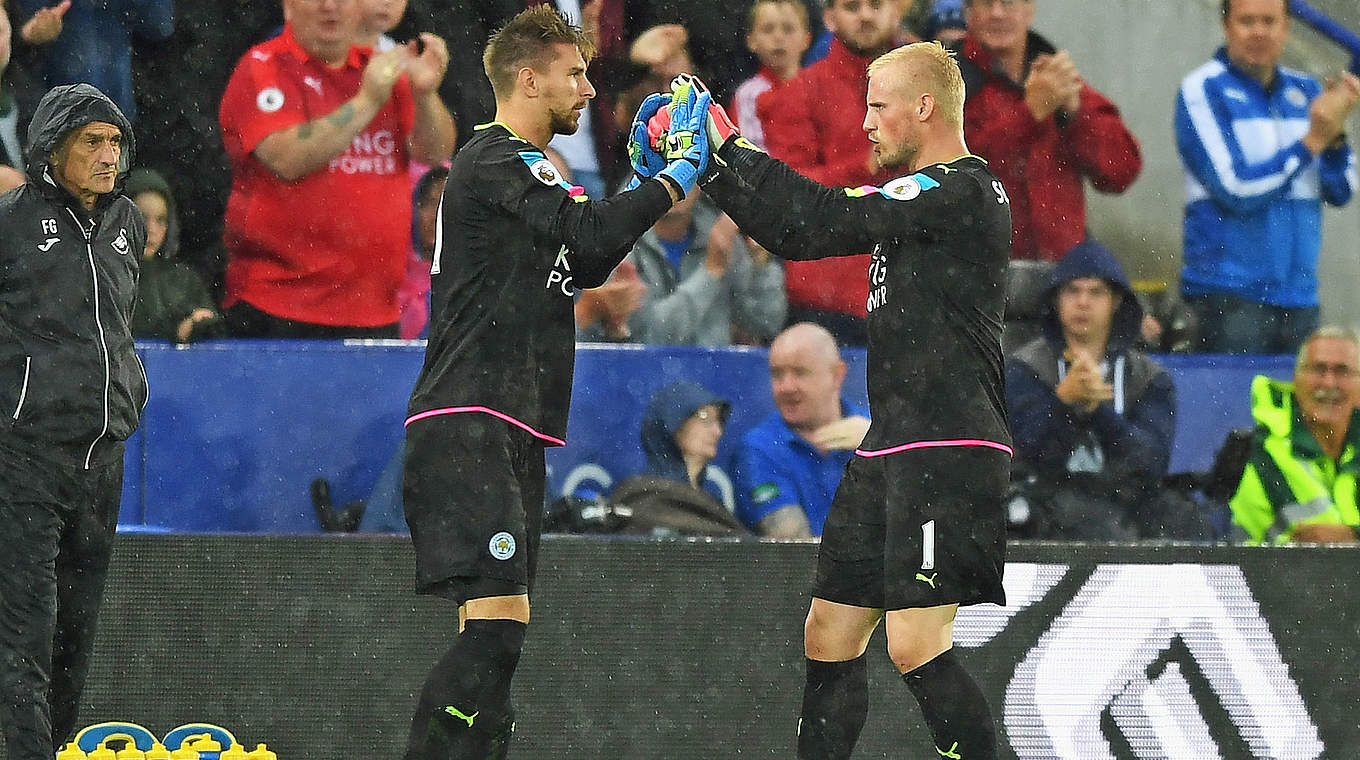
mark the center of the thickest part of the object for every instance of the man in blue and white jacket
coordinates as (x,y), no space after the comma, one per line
(1262,146)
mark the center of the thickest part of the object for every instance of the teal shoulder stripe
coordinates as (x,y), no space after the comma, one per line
(925,182)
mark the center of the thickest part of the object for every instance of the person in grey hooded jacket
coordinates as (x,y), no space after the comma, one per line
(71,392)
(698,295)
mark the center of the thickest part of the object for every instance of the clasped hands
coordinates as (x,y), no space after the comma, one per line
(1328,112)
(675,134)
(1053,84)
(1084,388)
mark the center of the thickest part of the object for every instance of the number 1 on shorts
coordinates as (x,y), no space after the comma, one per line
(928,546)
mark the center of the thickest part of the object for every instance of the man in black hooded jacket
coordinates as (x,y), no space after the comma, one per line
(71,391)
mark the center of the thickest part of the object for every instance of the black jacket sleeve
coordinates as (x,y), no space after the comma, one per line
(597,234)
(798,219)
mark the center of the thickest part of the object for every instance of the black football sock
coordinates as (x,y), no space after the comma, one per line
(954,709)
(835,704)
(464,712)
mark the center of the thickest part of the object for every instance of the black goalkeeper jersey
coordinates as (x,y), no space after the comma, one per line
(514,243)
(940,239)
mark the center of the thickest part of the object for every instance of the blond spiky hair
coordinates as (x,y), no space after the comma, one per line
(933,69)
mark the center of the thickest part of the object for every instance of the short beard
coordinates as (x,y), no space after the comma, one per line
(559,124)
(873,52)
(903,158)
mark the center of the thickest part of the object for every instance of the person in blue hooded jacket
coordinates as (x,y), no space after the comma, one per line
(1092,417)
(680,433)
(674,493)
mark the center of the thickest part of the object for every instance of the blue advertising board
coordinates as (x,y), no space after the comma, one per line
(235,431)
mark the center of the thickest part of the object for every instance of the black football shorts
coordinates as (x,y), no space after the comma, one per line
(472,490)
(917,528)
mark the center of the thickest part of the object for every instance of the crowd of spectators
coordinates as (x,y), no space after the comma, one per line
(307,209)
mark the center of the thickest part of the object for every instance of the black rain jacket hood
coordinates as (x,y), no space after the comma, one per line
(62,110)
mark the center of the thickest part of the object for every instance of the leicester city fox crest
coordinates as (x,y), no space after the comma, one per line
(502,546)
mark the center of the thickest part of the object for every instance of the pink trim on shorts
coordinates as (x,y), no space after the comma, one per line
(487,410)
(935,445)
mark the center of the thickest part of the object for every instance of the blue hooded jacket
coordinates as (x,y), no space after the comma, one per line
(666,412)
(1127,437)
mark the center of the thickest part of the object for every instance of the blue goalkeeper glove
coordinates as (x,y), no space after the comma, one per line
(686,146)
(647,163)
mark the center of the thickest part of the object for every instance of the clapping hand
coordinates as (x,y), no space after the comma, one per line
(45,25)
(1328,111)
(426,62)
(382,72)
(619,297)
(1053,83)
(611,304)
(1084,387)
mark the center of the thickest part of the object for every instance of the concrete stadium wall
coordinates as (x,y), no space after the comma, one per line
(676,650)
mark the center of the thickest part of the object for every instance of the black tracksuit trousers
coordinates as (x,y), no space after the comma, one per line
(56,531)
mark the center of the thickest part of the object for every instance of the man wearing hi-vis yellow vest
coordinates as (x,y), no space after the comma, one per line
(1300,480)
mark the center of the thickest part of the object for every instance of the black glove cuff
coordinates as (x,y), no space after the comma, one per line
(714,168)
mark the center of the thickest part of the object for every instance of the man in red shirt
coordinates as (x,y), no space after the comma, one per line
(320,135)
(1040,126)
(814,124)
